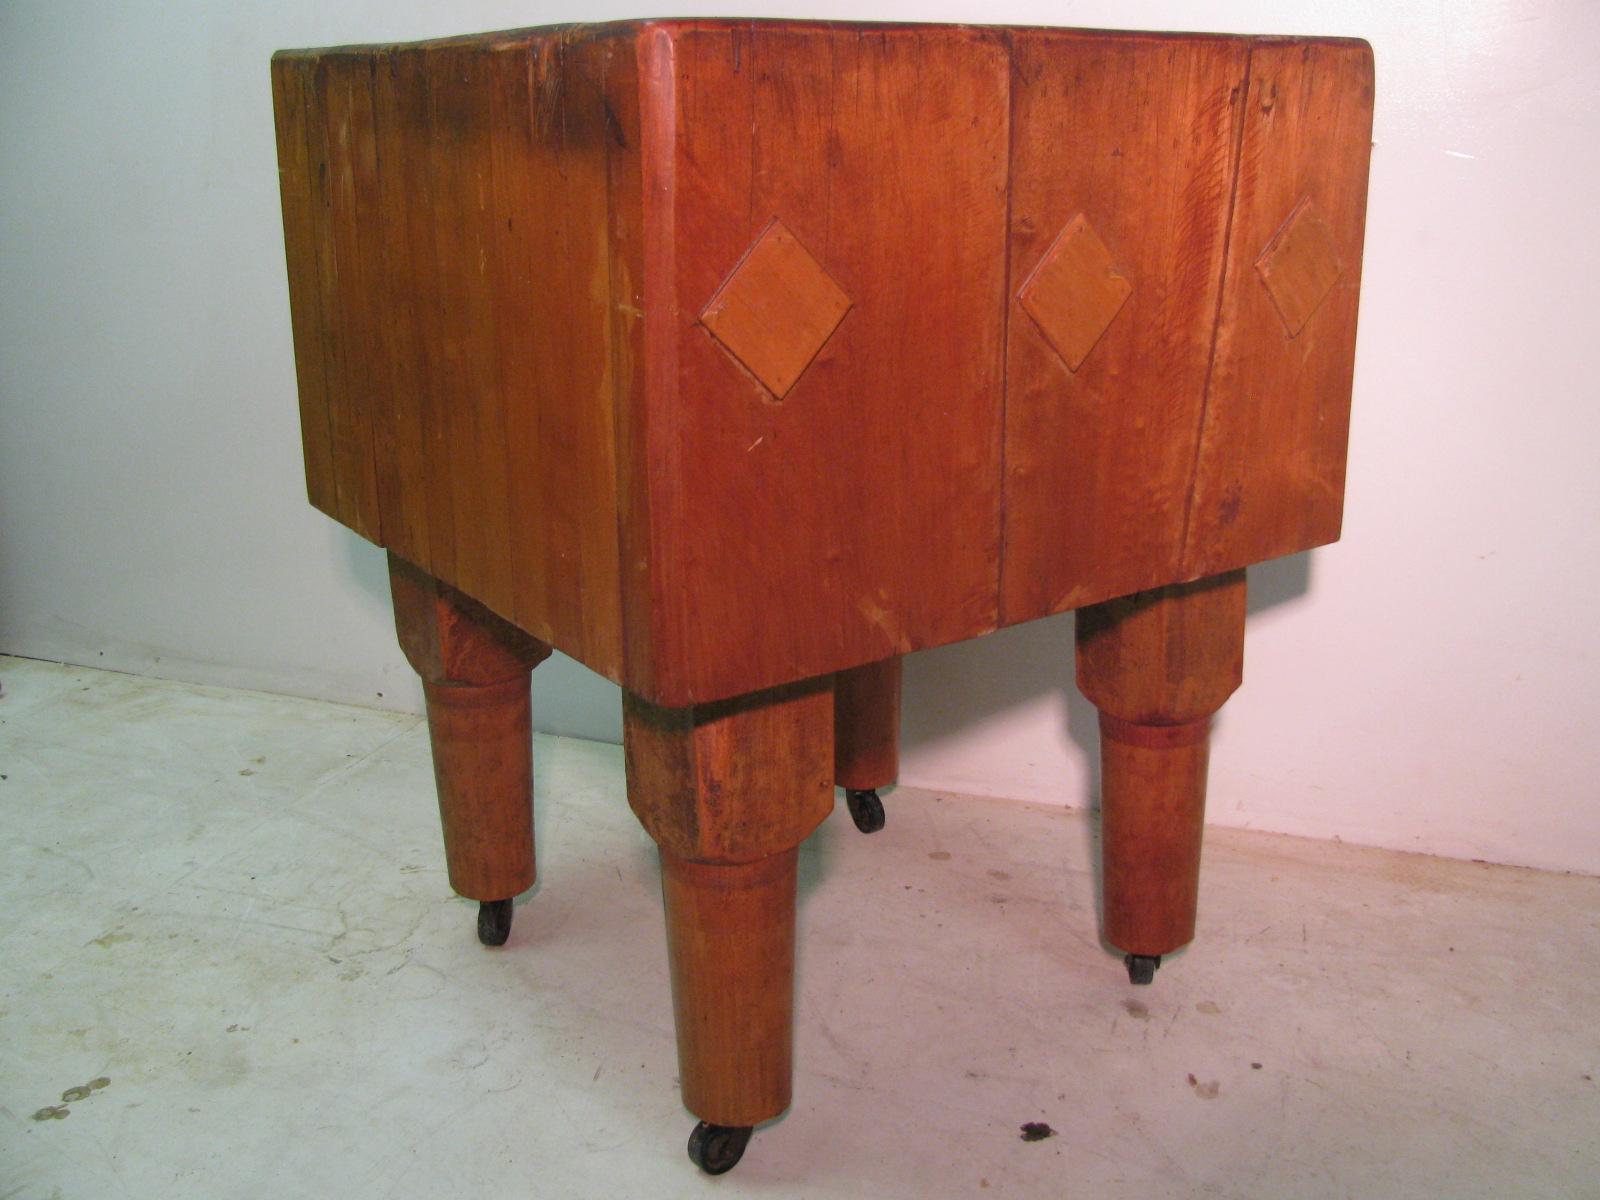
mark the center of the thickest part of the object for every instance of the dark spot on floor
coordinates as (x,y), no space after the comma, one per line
(55,1112)
(1136,1009)
(939,855)
(1207,1090)
(1000,875)
(1255,1066)
(1036,1131)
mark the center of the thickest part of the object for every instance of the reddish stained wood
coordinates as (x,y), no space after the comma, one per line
(398,215)
(405,148)
(860,517)
(460,177)
(550,275)
(730,945)
(1157,665)
(340,142)
(637,295)
(1098,461)
(474,669)
(358,269)
(735,780)
(1300,266)
(500,252)
(561,435)
(728,791)
(1075,292)
(1269,476)
(776,310)
(292,106)
(866,725)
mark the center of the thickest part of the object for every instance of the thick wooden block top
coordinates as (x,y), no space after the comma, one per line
(721,354)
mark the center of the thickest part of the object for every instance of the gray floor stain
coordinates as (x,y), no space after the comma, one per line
(60,1112)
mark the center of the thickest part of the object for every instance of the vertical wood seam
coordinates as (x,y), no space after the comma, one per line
(372,433)
(623,373)
(656,58)
(1242,118)
(1006,293)
(488,227)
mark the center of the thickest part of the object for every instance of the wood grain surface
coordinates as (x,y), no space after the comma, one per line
(1158,665)
(474,668)
(866,725)
(722,354)
(728,791)
(1269,478)
(734,780)
(731,951)
(1135,135)
(858,517)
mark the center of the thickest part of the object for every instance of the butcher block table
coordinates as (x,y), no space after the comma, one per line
(739,359)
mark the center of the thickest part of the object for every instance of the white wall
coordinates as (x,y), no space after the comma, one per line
(1429,684)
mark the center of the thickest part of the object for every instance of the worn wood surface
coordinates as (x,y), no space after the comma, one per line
(721,354)
(295,106)
(858,515)
(734,780)
(728,791)
(475,670)
(738,359)
(1269,478)
(1158,665)
(447,212)
(1134,136)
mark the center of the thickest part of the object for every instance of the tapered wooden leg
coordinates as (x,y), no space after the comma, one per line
(728,791)
(474,669)
(866,743)
(1158,665)
(730,940)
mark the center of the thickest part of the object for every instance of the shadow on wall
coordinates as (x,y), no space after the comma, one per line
(568,698)
(950,688)
(947,688)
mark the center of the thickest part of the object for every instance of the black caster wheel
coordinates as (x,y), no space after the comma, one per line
(1142,967)
(718,1148)
(866,810)
(494,922)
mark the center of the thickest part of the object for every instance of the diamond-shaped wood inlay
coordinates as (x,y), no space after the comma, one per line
(777,310)
(1300,266)
(1075,292)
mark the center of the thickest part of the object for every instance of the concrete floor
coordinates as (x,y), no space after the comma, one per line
(224,922)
